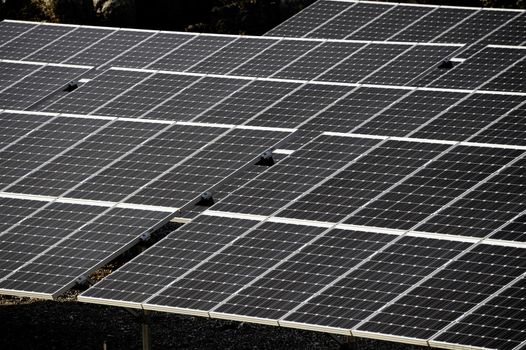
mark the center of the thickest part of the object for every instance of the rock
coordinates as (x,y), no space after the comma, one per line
(121,13)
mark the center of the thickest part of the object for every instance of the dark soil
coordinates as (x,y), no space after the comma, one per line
(66,324)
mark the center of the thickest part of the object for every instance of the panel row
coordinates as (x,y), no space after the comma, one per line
(322,278)
(47,247)
(312,108)
(395,184)
(354,20)
(115,160)
(493,68)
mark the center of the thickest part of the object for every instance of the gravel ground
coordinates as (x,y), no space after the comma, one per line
(67,324)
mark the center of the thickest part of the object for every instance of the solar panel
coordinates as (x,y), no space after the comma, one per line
(150,50)
(247,102)
(510,79)
(231,56)
(68,245)
(510,33)
(11,72)
(275,57)
(365,187)
(409,113)
(479,69)
(76,40)
(25,44)
(476,26)
(197,98)
(109,47)
(364,62)
(190,53)
(469,116)
(141,98)
(12,29)
(347,22)
(506,313)
(37,85)
(509,129)
(433,24)
(310,18)
(317,61)
(373,282)
(98,92)
(406,67)
(390,23)
(461,279)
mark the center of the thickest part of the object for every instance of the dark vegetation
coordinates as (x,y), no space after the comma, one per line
(222,16)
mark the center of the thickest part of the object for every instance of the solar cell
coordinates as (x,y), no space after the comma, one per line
(25,44)
(275,58)
(109,47)
(354,109)
(233,55)
(231,268)
(514,231)
(190,53)
(20,242)
(150,50)
(349,21)
(308,19)
(14,210)
(149,161)
(390,23)
(37,85)
(68,45)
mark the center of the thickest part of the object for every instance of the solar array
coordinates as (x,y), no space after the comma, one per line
(394,209)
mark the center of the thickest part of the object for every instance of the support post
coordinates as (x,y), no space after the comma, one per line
(146,335)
